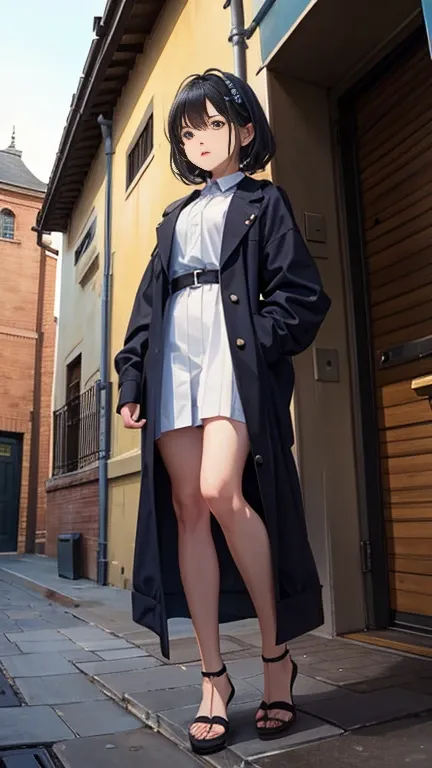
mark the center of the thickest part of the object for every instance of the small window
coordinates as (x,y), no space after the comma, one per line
(7,224)
(85,242)
(73,379)
(140,151)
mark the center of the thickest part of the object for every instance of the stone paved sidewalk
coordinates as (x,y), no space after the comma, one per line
(65,660)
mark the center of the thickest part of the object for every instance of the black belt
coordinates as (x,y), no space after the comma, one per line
(197,277)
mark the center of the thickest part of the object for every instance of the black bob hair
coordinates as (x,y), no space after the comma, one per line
(234,100)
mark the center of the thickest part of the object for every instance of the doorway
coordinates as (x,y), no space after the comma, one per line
(10,482)
(386,140)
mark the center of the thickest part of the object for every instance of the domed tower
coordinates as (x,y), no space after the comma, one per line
(27,343)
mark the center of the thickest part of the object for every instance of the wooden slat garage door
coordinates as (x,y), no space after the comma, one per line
(394,133)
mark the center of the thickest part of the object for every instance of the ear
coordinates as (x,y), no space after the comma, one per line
(246,134)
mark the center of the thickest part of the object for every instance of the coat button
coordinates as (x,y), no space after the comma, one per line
(240,343)
(259,460)
(234,298)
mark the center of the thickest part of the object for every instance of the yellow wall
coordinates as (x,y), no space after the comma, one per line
(80,291)
(189,37)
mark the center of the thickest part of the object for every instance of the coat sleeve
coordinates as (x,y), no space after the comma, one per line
(129,361)
(293,304)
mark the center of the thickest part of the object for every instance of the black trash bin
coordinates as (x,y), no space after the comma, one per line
(69,555)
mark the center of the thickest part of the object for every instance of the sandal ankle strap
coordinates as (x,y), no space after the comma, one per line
(275,659)
(219,673)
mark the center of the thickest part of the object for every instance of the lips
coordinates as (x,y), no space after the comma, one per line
(204,153)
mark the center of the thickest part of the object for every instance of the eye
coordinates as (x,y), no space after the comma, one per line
(187,135)
(217,124)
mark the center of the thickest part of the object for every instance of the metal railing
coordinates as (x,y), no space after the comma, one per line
(76,432)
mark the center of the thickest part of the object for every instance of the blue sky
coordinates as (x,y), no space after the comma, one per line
(43,47)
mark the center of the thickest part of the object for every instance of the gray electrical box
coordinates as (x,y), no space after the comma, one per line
(326,364)
(315,228)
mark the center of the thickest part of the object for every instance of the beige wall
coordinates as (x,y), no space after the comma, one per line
(179,47)
(304,165)
(80,290)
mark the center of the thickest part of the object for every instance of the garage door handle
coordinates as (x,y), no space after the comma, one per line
(406,353)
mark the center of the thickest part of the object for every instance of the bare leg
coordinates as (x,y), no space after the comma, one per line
(181,451)
(225,449)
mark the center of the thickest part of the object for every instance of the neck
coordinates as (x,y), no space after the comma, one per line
(225,169)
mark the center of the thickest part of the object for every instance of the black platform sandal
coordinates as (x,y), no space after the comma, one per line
(216,744)
(266,733)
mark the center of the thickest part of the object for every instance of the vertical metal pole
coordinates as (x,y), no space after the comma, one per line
(237,38)
(104,384)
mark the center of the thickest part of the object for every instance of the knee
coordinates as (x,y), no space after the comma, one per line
(221,497)
(189,508)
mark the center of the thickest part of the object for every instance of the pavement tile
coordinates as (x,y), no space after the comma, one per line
(305,687)
(245,667)
(63,621)
(21,614)
(85,632)
(135,749)
(79,655)
(97,668)
(352,710)
(110,644)
(421,686)
(334,676)
(122,653)
(47,646)
(37,664)
(95,718)
(7,625)
(58,689)
(8,649)
(184,650)
(151,702)
(31,726)
(393,745)
(161,678)
(37,636)
(33,624)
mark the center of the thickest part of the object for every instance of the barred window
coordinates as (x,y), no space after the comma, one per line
(7,224)
(140,151)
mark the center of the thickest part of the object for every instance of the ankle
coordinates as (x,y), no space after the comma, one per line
(272,651)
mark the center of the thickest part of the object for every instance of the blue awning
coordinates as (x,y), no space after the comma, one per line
(282,17)
(427,13)
(310,26)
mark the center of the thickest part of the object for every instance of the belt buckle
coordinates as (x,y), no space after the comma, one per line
(195,273)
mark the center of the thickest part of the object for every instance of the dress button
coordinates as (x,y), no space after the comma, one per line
(259,460)
(240,343)
(234,298)
(156,349)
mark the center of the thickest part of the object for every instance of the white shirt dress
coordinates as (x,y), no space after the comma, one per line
(198,379)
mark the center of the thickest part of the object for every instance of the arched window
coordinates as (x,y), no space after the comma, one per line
(7,224)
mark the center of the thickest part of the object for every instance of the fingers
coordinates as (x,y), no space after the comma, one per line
(129,422)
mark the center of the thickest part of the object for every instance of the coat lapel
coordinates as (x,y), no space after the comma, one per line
(241,216)
(165,230)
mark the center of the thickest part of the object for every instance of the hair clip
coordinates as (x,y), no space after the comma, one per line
(234,92)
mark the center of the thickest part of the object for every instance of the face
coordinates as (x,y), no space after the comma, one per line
(209,148)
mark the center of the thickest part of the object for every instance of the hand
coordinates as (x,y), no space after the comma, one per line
(129,414)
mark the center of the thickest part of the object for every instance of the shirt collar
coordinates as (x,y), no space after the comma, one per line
(227,182)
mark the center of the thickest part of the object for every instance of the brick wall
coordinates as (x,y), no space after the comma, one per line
(73,507)
(19,289)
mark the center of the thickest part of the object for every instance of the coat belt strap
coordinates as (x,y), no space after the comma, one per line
(194,279)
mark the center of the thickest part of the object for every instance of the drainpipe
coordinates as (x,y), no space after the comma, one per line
(104,385)
(32,509)
(237,37)
(239,34)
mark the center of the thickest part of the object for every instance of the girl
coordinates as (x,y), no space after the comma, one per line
(230,294)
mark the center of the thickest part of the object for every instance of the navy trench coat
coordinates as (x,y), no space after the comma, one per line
(274,304)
